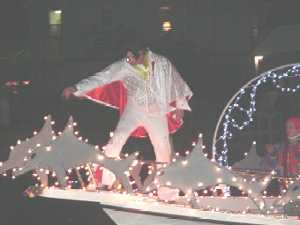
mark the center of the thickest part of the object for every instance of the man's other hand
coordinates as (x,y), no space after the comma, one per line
(178,114)
(68,92)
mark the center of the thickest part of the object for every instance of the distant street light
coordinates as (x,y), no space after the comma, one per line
(257,60)
(57,11)
(167,26)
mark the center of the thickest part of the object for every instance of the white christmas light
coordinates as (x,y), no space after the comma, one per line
(230,124)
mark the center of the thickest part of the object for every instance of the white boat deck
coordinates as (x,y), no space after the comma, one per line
(140,210)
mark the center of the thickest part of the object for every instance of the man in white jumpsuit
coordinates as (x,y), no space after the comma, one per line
(156,95)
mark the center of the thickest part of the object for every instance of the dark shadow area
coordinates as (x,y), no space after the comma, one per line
(17,209)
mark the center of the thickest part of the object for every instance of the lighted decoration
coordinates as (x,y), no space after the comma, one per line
(251,162)
(228,124)
(135,174)
(189,174)
(23,151)
(196,172)
(291,194)
(67,151)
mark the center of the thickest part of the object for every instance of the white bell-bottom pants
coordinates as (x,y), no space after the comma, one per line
(134,116)
(156,126)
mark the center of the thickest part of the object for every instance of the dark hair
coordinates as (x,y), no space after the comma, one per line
(134,42)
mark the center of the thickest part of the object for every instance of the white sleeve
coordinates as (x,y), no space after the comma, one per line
(182,103)
(180,90)
(111,73)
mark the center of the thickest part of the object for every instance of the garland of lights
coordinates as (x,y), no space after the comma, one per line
(230,123)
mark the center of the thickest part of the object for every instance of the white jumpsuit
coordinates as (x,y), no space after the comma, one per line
(148,101)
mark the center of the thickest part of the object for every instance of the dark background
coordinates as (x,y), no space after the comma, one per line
(212,43)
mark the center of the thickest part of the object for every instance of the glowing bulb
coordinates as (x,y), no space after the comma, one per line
(257,60)
(57,11)
(261,205)
(167,26)
(135,162)
(168,183)
(184,163)
(200,184)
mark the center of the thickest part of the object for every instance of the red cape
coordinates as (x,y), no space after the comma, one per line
(115,95)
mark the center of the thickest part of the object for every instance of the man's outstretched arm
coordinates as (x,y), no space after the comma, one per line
(108,75)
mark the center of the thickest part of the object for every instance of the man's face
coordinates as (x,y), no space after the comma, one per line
(134,60)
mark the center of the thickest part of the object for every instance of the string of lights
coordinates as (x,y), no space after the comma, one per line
(231,123)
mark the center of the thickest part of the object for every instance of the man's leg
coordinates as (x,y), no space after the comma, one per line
(127,123)
(157,128)
(159,134)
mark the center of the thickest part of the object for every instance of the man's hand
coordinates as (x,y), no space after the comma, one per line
(178,114)
(68,92)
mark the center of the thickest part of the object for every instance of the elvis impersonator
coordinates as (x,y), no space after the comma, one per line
(149,93)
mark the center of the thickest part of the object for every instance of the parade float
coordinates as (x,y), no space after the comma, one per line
(192,189)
